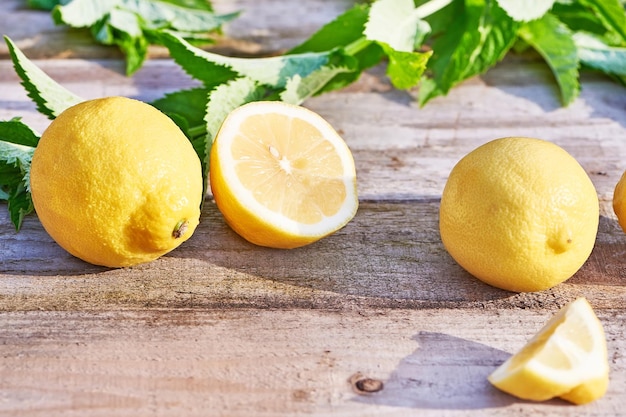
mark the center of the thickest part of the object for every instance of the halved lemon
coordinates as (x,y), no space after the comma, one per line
(281,176)
(567,358)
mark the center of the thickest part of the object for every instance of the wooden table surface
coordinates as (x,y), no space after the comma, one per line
(220,327)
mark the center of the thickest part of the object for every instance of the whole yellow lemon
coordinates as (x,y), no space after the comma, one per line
(115,182)
(520,214)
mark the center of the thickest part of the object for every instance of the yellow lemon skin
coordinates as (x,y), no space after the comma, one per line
(519,214)
(619,201)
(116,183)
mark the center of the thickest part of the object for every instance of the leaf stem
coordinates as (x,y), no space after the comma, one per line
(357,46)
(422,11)
(431,7)
(195,131)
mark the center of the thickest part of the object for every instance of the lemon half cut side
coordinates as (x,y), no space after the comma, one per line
(567,358)
(281,175)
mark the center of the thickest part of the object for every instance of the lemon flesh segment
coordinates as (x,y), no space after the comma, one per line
(281,175)
(567,358)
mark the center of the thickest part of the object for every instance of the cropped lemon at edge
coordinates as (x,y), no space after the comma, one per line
(281,176)
(567,358)
(116,183)
(519,213)
(619,201)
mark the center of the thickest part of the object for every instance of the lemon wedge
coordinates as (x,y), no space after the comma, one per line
(567,358)
(281,176)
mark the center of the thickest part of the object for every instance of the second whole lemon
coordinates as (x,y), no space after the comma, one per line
(519,213)
(115,182)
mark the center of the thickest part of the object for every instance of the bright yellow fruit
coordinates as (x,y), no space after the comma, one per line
(619,201)
(115,182)
(567,358)
(281,175)
(519,214)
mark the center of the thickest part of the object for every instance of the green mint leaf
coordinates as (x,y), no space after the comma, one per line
(19,205)
(83,13)
(393,22)
(405,69)
(611,13)
(50,97)
(343,30)
(298,88)
(555,43)
(273,71)
(189,104)
(478,38)
(596,54)
(15,159)
(194,63)
(159,14)
(133,24)
(526,10)
(14,131)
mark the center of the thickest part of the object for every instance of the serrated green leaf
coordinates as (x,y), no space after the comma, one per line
(14,179)
(14,131)
(555,43)
(20,204)
(478,39)
(596,54)
(299,88)
(393,22)
(49,96)
(526,10)
(273,71)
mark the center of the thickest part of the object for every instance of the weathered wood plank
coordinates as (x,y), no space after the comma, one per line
(276,363)
(389,256)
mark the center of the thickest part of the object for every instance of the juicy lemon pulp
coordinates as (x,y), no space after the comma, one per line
(290,167)
(567,358)
(281,175)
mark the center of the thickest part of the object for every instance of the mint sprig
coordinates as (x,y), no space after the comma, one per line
(131,24)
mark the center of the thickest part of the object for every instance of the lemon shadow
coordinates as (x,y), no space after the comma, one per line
(389,255)
(446,373)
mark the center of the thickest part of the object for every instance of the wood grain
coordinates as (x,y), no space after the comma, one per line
(275,363)
(389,256)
